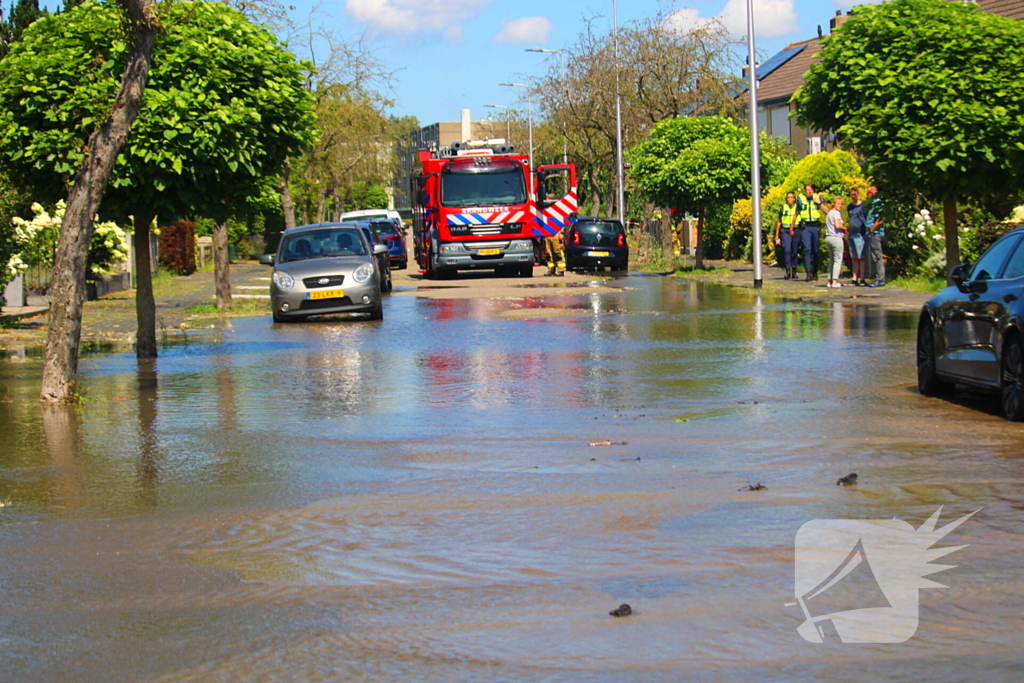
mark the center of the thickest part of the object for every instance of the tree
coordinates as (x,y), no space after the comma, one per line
(19,17)
(695,165)
(928,91)
(224,107)
(664,71)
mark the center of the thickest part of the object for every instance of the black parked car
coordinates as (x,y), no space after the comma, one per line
(394,238)
(973,333)
(383,261)
(593,243)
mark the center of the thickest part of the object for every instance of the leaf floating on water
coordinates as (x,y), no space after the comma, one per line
(753,487)
(600,443)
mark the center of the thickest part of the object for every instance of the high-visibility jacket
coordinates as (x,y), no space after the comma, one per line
(788,216)
(808,210)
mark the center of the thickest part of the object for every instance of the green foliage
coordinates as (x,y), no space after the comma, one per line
(716,230)
(35,242)
(225,105)
(376,197)
(929,92)
(178,247)
(827,171)
(19,17)
(13,202)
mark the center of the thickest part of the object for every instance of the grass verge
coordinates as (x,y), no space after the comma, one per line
(920,283)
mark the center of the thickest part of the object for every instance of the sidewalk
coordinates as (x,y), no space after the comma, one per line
(773,282)
(112,318)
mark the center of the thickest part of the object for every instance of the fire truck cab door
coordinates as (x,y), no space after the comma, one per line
(555,182)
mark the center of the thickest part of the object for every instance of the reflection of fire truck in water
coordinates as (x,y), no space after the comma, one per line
(484,207)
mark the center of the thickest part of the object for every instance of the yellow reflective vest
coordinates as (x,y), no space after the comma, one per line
(808,209)
(788,216)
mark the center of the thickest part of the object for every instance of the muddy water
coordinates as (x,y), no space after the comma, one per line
(417,500)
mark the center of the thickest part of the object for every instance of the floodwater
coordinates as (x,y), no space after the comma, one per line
(418,499)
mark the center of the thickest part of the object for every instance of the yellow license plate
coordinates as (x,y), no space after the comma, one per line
(489,252)
(327,294)
(599,253)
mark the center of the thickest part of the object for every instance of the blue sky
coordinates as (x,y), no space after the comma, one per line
(452,54)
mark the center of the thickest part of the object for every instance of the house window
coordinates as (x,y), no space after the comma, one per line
(762,119)
(780,123)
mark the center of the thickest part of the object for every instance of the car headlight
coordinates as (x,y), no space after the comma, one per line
(363,273)
(451,248)
(283,280)
(521,245)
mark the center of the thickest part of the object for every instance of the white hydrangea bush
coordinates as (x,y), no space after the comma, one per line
(37,242)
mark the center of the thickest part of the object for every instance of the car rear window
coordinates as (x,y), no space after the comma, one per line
(598,233)
(384,228)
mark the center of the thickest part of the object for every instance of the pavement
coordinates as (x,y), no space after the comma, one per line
(179,306)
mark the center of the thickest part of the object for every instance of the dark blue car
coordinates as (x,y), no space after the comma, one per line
(395,239)
(973,332)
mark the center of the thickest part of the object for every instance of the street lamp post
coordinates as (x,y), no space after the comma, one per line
(529,119)
(618,117)
(561,59)
(755,152)
(508,123)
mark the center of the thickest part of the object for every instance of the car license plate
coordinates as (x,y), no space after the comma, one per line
(489,252)
(326,294)
(599,253)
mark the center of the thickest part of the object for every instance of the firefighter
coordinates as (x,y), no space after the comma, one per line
(555,248)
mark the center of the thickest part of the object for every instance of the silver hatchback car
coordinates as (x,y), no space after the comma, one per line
(323,269)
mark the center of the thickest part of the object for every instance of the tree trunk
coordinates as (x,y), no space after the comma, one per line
(145,304)
(287,207)
(321,205)
(595,193)
(60,368)
(221,266)
(666,237)
(699,251)
(952,237)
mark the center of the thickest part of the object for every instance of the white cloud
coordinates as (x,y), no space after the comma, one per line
(404,17)
(525,31)
(772,18)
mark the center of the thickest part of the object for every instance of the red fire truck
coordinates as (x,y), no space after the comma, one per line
(481,206)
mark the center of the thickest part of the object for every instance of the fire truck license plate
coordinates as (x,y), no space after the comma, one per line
(326,294)
(489,252)
(599,253)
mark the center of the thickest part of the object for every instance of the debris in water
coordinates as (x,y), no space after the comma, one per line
(607,443)
(622,610)
(754,487)
(849,480)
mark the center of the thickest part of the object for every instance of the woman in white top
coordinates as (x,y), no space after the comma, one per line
(834,231)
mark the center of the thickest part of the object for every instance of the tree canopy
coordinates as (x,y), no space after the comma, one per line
(928,91)
(225,105)
(696,163)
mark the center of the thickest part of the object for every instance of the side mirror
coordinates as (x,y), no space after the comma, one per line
(957,276)
(267,259)
(380,249)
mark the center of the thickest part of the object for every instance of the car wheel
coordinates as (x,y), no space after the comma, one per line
(1012,384)
(928,381)
(526,271)
(377,313)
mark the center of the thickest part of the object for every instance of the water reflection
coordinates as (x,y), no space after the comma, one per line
(418,500)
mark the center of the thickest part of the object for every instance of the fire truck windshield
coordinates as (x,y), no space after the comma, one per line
(482,185)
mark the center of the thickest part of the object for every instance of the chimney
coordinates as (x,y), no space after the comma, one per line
(838,20)
(467,126)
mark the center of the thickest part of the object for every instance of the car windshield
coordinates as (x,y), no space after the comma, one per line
(598,233)
(501,186)
(321,244)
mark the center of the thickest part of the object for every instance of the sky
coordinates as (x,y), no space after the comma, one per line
(448,55)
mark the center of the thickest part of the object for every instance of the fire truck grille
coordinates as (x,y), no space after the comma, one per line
(486,229)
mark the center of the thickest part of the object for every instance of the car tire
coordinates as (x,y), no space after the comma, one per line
(928,381)
(377,313)
(526,271)
(1011,381)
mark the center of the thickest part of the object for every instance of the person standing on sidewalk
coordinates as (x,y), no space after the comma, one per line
(857,240)
(876,237)
(787,235)
(809,208)
(834,241)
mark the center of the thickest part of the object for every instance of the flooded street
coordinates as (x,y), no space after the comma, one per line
(418,499)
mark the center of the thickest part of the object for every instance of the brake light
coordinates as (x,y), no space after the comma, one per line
(392,237)
(620,240)
(576,238)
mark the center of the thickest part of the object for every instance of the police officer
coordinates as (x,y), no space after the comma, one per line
(809,209)
(787,234)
